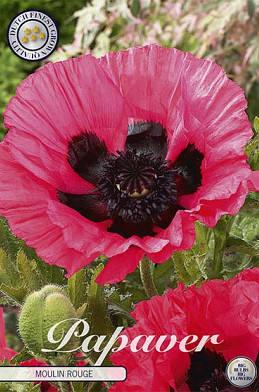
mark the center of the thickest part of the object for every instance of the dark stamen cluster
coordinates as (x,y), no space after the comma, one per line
(134,175)
(137,188)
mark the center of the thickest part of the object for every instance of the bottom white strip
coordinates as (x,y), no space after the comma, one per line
(64,373)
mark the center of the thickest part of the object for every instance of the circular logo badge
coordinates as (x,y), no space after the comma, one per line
(32,35)
(241,372)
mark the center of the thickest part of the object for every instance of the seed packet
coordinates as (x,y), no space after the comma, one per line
(129,182)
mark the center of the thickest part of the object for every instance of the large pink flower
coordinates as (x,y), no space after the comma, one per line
(229,309)
(121,155)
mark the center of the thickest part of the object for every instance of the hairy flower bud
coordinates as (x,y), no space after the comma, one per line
(41,310)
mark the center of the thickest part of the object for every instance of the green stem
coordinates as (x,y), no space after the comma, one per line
(221,234)
(96,387)
(66,386)
(147,278)
(218,265)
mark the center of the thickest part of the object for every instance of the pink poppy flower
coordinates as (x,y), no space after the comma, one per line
(226,308)
(121,155)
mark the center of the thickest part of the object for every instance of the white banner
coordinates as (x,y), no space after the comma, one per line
(62,373)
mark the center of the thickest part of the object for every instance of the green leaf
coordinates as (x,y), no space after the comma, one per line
(256,124)
(81,310)
(242,245)
(77,288)
(97,308)
(235,241)
(51,273)
(119,306)
(36,388)
(250,205)
(22,356)
(246,226)
(251,7)
(21,271)
(18,277)
(190,268)
(8,241)
(164,276)
(97,312)
(18,387)
(221,234)
(252,147)
(16,294)
(135,8)
(10,282)
(181,270)
(4,300)
(96,387)
(236,262)
(244,249)
(254,162)
(29,271)
(79,387)
(6,387)
(8,273)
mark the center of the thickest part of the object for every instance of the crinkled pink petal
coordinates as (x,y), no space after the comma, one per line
(72,223)
(218,104)
(218,182)
(146,376)
(228,308)
(29,220)
(53,105)
(253,181)
(149,78)
(212,210)
(120,265)
(181,235)
(226,311)
(181,232)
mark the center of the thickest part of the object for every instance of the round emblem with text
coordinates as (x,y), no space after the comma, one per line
(32,35)
(241,372)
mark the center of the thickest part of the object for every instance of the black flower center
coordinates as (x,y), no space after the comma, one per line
(207,374)
(137,189)
(134,175)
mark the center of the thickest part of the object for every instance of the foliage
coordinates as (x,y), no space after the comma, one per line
(12,72)
(59,10)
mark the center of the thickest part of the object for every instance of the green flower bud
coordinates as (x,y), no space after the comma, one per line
(41,310)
